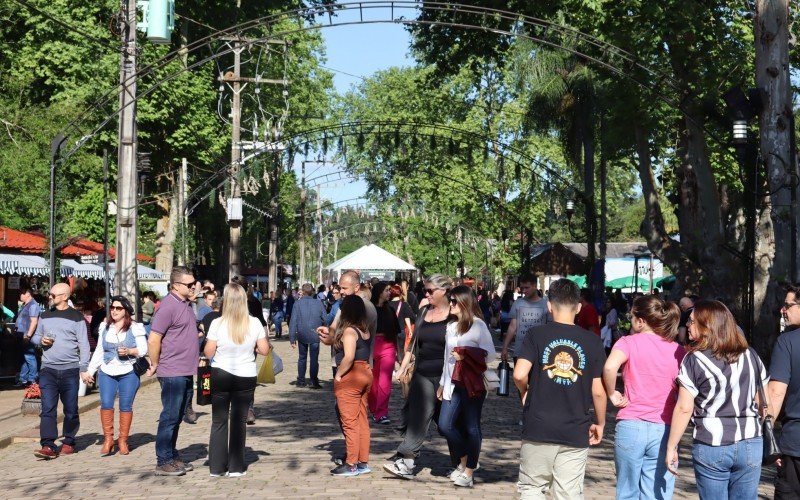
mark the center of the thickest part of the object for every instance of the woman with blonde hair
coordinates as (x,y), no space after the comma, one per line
(232,338)
(719,381)
(650,360)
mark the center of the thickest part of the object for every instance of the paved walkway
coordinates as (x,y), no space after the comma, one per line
(289,454)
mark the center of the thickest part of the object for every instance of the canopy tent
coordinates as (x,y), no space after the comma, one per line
(629,282)
(30,265)
(370,261)
(81,269)
(579,280)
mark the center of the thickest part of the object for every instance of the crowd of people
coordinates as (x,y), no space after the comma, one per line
(680,362)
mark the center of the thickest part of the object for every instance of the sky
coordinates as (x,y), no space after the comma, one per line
(353,52)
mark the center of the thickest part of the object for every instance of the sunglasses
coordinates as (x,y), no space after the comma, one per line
(453,301)
(52,296)
(789,305)
(187,285)
(117,308)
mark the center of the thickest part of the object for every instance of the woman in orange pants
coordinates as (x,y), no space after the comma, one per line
(351,386)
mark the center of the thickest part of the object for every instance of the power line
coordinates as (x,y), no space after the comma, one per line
(71,28)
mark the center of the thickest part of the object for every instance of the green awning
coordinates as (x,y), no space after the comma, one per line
(628,282)
(578,279)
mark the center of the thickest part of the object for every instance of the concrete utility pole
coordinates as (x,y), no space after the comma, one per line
(236,155)
(183,181)
(301,241)
(126,279)
(319,229)
(274,223)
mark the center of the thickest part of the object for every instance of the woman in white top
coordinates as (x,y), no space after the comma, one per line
(120,341)
(469,342)
(231,342)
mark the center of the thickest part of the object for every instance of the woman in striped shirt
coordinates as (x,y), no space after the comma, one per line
(718,386)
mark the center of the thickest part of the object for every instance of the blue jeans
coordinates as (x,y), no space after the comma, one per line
(126,385)
(55,385)
(640,450)
(460,423)
(173,402)
(277,320)
(301,361)
(29,371)
(728,472)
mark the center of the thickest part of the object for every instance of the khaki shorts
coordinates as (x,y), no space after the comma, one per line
(555,468)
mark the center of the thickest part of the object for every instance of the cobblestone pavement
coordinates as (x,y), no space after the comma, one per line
(289,454)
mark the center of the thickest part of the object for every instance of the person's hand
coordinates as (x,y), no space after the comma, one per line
(203,362)
(87,379)
(504,354)
(47,341)
(440,393)
(323,332)
(595,434)
(337,378)
(456,355)
(523,397)
(151,371)
(293,344)
(672,460)
(618,399)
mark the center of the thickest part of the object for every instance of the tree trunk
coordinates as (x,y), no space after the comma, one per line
(774,265)
(166,231)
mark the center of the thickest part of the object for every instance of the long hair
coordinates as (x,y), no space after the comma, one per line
(235,315)
(718,331)
(126,322)
(353,315)
(465,298)
(377,290)
(662,317)
(396,291)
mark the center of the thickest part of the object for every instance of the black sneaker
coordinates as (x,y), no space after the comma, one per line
(345,470)
(300,383)
(315,385)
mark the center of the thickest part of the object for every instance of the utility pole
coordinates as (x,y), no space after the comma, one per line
(183,256)
(301,241)
(126,279)
(319,230)
(274,222)
(236,154)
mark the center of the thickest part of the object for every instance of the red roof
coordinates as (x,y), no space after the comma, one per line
(36,243)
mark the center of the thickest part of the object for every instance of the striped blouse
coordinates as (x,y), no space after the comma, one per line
(725,410)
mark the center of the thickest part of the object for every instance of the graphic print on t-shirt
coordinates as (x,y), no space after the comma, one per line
(563,361)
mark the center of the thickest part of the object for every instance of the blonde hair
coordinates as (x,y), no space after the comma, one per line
(235,315)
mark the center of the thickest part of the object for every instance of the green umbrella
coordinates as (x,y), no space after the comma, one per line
(666,281)
(578,279)
(628,282)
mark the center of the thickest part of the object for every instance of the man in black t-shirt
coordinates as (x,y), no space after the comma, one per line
(559,375)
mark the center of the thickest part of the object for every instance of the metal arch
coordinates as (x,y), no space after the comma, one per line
(610,56)
(349,128)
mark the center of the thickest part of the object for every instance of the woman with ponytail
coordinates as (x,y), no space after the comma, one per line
(650,359)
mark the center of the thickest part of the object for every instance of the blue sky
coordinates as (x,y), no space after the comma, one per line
(357,51)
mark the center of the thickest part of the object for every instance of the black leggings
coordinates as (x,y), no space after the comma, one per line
(423,406)
(230,399)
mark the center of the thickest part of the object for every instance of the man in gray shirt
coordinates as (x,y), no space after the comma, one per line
(308,314)
(61,332)
(527,312)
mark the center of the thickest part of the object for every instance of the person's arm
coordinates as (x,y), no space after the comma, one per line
(486,343)
(680,420)
(154,349)
(599,399)
(776,393)
(32,328)
(780,370)
(510,334)
(324,332)
(349,345)
(83,345)
(293,329)
(210,349)
(522,370)
(263,346)
(615,360)
(37,335)
(96,360)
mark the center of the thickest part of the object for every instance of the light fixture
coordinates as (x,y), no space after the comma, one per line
(570,208)
(740,131)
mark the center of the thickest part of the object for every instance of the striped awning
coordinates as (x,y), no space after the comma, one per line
(71,267)
(23,265)
(143,272)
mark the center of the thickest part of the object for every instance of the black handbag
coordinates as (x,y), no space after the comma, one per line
(140,366)
(772,452)
(203,385)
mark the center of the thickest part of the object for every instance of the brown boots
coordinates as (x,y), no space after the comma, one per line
(107,420)
(125,419)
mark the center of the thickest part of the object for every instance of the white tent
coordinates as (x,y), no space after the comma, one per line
(371,261)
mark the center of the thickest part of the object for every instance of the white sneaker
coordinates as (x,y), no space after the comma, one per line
(219,475)
(237,474)
(460,470)
(400,469)
(463,481)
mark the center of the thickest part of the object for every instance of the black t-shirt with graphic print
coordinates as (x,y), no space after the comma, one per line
(565,358)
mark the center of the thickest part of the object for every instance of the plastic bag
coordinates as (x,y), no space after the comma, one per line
(266,374)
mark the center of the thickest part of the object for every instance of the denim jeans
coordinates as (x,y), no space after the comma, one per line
(303,352)
(29,371)
(463,434)
(230,397)
(640,450)
(57,384)
(173,402)
(728,472)
(125,385)
(277,320)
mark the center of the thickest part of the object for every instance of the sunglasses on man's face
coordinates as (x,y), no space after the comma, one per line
(187,285)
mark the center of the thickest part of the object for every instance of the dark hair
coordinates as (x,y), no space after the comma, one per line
(177,273)
(507,300)
(321,288)
(586,294)
(395,291)
(466,300)
(25,289)
(526,278)
(563,292)
(377,290)
(795,289)
(663,317)
(353,314)
(718,330)
(127,308)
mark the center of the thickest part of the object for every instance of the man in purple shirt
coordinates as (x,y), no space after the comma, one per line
(174,357)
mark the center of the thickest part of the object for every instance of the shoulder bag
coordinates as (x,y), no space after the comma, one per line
(772,451)
(405,381)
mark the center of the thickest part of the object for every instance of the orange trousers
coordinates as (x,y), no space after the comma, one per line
(351,398)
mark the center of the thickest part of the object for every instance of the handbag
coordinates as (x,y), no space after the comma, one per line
(772,452)
(491,380)
(277,364)
(204,385)
(140,366)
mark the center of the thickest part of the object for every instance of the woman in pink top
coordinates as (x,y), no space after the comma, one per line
(650,361)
